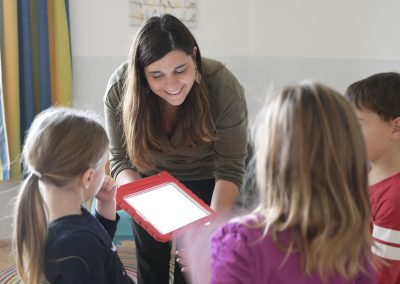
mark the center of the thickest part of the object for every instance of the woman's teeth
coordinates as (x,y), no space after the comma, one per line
(174,93)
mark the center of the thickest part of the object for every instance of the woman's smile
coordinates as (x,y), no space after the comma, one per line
(172,77)
(174,93)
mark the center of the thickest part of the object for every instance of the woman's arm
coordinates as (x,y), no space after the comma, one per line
(119,160)
(126,176)
(230,147)
(225,194)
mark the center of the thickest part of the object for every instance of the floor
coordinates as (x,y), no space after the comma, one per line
(6,260)
(125,248)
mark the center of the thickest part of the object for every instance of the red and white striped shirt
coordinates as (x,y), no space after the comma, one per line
(385,209)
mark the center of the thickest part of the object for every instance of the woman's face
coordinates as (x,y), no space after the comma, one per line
(171,77)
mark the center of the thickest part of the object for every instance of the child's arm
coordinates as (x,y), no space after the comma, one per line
(106,204)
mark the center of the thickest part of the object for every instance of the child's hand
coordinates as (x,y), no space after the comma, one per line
(106,204)
(108,190)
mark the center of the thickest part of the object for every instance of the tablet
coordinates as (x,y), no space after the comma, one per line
(163,206)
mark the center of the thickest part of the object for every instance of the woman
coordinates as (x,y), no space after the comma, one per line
(169,109)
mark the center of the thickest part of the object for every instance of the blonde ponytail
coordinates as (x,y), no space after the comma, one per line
(30,231)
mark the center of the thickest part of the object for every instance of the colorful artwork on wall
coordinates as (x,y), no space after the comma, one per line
(185,10)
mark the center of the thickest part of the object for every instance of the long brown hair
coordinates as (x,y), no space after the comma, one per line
(311,170)
(140,108)
(61,144)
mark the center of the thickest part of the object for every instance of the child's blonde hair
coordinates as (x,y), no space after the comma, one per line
(61,144)
(311,171)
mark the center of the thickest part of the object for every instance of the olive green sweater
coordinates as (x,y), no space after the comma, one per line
(222,159)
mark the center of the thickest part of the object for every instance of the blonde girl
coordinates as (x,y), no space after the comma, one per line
(55,238)
(311,223)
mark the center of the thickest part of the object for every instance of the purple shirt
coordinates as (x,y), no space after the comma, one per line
(240,255)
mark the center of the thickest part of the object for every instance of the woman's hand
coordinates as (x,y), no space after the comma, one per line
(182,259)
(190,237)
(194,251)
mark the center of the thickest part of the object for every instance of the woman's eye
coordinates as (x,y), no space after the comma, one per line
(179,71)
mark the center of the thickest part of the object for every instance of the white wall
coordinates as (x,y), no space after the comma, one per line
(357,29)
(363,29)
(262,41)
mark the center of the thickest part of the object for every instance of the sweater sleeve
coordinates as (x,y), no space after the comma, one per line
(232,259)
(119,160)
(109,225)
(230,118)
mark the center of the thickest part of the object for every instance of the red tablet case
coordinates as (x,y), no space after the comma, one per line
(149,183)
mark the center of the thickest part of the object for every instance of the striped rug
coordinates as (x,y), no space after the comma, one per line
(126,251)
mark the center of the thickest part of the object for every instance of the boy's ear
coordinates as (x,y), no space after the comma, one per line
(87,178)
(396,128)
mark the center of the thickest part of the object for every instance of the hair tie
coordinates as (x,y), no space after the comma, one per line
(36,173)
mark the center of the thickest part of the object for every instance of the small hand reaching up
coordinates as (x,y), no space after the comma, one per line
(106,204)
(107,191)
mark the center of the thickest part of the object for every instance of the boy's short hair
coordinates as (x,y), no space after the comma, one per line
(379,93)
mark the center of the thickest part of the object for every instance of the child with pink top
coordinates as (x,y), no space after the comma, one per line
(312,220)
(377,103)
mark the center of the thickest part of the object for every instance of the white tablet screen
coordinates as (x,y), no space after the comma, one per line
(166,207)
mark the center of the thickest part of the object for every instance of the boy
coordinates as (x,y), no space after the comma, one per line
(377,104)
